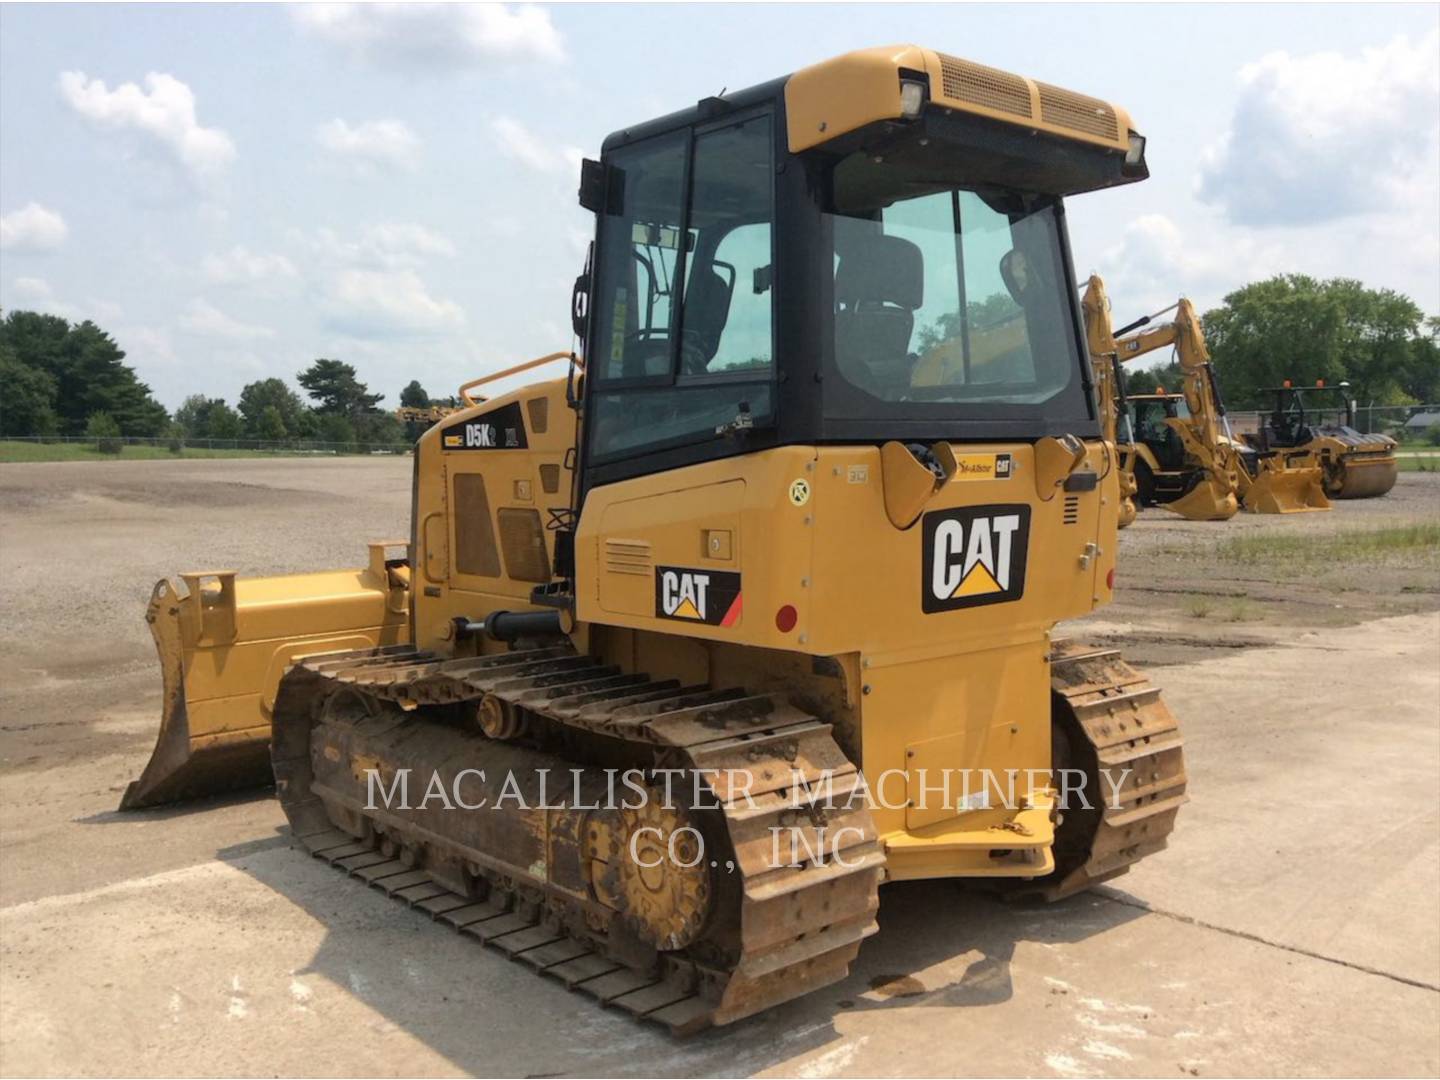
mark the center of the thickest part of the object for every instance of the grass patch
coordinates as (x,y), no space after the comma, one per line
(11,451)
(1240,611)
(1417,463)
(18,451)
(1199,607)
(1401,542)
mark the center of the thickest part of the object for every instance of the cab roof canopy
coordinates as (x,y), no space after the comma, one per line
(994,126)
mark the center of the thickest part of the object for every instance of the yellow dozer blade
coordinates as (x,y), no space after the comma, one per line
(223,649)
(1280,487)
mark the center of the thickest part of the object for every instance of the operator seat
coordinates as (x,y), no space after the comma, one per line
(879,285)
(707,310)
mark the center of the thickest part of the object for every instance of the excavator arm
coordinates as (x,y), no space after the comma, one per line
(1273,483)
(1213,497)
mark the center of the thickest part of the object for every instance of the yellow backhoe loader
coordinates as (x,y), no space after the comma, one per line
(776,561)
(1110,394)
(1357,465)
(1178,450)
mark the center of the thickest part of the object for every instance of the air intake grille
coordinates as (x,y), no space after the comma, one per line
(627,557)
(1077,112)
(475,551)
(1072,509)
(522,539)
(985,86)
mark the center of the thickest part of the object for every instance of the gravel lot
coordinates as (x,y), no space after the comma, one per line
(1293,928)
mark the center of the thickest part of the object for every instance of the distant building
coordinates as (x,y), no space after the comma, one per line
(1423,421)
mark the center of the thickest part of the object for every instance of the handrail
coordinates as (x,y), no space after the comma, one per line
(467,387)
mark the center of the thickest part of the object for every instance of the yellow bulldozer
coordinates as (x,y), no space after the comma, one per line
(1177,450)
(1357,465)
(749,610)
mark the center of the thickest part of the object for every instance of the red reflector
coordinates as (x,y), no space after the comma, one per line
(1110,580)
(786,618)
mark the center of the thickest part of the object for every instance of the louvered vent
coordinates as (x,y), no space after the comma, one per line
(627,557)
(1072,509)
(1064,108)
(985,86)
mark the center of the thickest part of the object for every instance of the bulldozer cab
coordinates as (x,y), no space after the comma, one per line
(762,277)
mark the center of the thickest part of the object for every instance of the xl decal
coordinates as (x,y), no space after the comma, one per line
(711,597)
(973,555)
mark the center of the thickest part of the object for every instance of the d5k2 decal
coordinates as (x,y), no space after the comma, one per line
(973,555)
(500,429)
(704,596)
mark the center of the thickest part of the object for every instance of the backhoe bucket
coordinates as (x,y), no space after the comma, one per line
(1208,500)
(1286,491)
(223,650)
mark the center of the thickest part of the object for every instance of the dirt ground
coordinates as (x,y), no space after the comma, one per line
(1293,928)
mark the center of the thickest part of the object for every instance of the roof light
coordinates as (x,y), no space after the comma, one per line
(912,97)
(1136,153)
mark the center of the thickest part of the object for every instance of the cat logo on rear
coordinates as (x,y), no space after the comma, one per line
(973,555)
(705,596)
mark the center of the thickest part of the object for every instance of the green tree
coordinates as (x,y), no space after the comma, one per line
(223,422)
(336,429)
(265,394)
(27,403)
(88,370)
(202,417)
(333,385)
(271,426)
(1299,328)
(191,414)
(414,396)
(105,430)
(380,428)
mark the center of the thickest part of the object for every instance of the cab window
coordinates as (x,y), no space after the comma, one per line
(684,326)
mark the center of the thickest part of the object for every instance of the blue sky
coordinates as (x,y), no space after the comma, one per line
(235,190)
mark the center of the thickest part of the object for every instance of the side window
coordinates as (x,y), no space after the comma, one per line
(641,251)
(745,341)
(693,320)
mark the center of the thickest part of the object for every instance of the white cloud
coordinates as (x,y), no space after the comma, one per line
(367,303)
(1326,135)
(240,265)
(32,228)
(375,142)
(33,289)
(1154,262)
(390,245)
(36,294)
(206,320)
(425,37)
(163,112)
(518,142)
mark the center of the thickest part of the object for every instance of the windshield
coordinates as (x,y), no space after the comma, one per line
(951,298)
